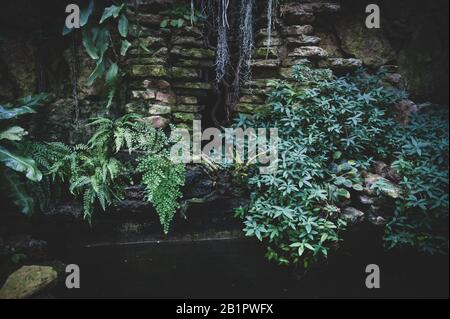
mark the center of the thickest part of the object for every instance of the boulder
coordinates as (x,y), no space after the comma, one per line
(341,65)
(404,111)
(375,183)
(28,281)
(371,46)
(353,215)
(295,13)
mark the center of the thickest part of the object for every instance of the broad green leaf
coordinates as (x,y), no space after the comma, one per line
(125,46)
(15,133)
(20,164)
(86,12)
(123,26)
(7,113)
(17,192)
(89,45)
(143,46)
(111,75)
(97,73)
(111,96)
(337,155)
(164,23)
(102,41)
(343,193)
(112,11)
(301,250)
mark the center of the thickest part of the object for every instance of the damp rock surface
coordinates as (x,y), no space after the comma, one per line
(28,281)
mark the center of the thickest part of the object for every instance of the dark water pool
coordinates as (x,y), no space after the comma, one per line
(238,269)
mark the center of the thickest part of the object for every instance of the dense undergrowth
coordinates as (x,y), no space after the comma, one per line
(332,130)
(95,172)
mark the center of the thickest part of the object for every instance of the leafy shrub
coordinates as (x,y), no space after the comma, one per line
(421,215)
(331,130)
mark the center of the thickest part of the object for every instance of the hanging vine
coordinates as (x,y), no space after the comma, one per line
(223,51)
(270,13)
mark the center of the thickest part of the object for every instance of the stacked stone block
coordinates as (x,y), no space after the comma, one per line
(169,83)
(293,39)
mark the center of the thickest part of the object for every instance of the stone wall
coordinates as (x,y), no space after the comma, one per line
(174,83)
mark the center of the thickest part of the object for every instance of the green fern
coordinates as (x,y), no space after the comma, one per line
(114,135)
(95,176)
(163,181)
(92,175)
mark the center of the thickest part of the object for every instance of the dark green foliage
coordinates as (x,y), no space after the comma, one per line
(331,130)
(15,162)
(421,215)
(98,43)
(92,175)
(96,175)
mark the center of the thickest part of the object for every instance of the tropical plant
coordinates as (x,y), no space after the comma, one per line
(100,46)
(16,163)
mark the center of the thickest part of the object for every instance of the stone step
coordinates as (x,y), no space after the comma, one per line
(274,41)
(302,40)
(266,64)
(295,30)
(295,13)
(149,71)
(193,53)
(312,52)
(341,65)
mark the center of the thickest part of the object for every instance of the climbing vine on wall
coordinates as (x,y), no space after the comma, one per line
(100,43)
